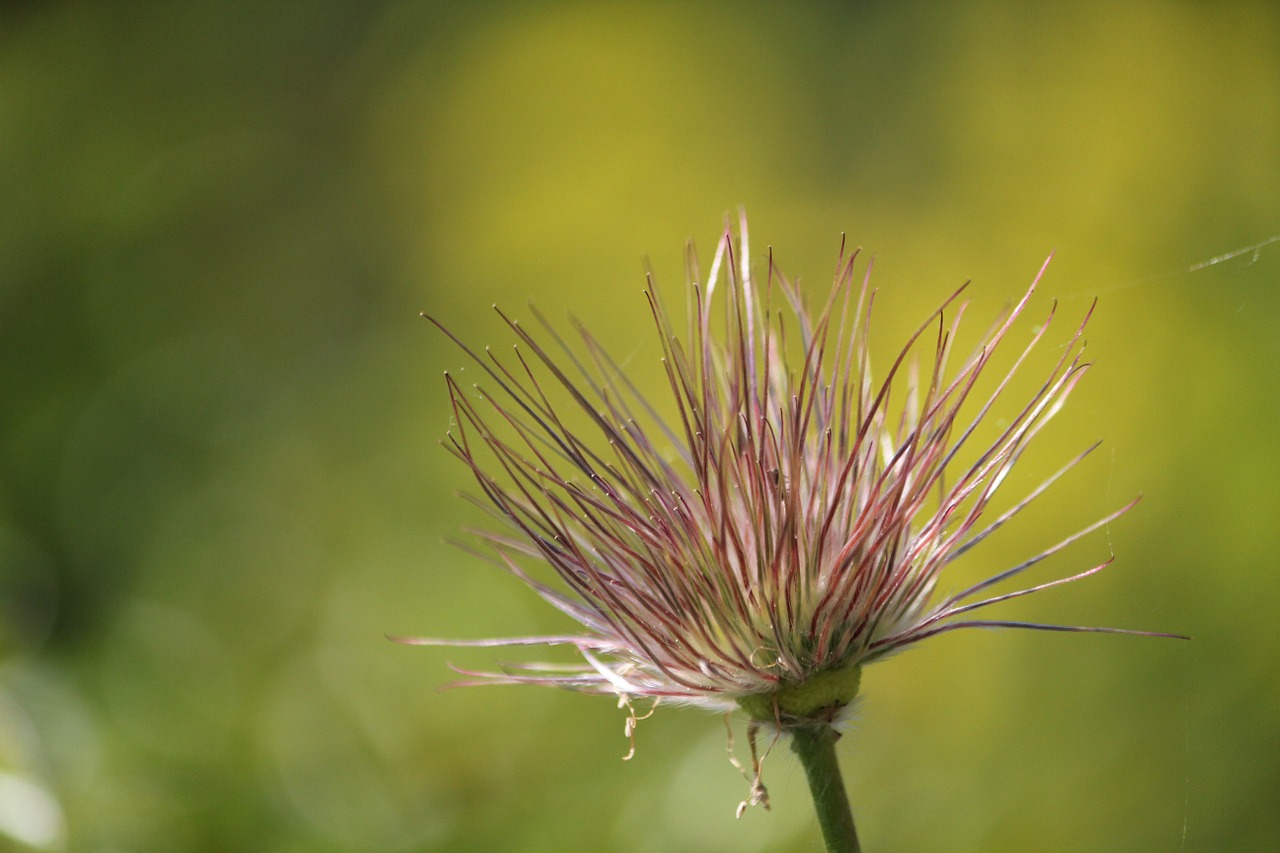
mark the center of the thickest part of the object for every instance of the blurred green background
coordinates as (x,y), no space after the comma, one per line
(220,478)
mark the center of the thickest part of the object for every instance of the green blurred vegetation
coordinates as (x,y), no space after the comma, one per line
(219,475)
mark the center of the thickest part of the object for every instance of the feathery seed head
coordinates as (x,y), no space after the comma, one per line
(786,527)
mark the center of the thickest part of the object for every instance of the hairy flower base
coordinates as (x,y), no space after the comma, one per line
(819,699)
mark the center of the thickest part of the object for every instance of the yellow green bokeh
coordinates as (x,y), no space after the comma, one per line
(220,479)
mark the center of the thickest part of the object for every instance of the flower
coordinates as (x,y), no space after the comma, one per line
(785,525)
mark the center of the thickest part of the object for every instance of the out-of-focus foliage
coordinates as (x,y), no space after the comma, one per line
(219,475)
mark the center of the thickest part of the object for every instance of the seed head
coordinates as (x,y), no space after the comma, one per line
(789,518)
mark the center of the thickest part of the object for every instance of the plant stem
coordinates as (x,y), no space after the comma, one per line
(816,747)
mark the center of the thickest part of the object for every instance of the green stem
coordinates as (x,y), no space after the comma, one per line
(816,747)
